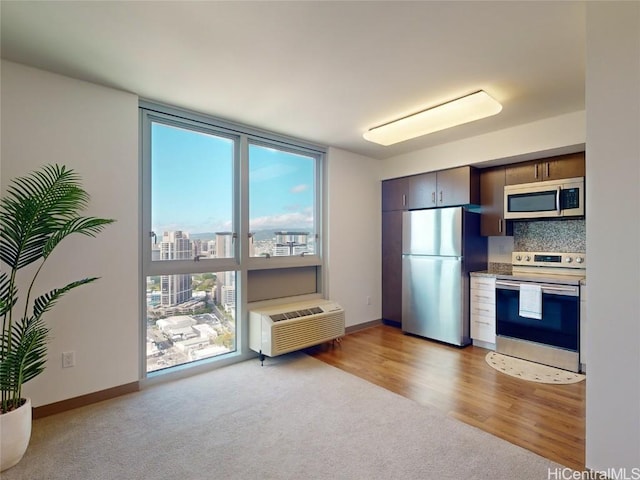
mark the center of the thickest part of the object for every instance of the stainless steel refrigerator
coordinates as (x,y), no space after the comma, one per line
(439,248)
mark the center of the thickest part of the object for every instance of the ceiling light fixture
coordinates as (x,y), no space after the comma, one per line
(465,109)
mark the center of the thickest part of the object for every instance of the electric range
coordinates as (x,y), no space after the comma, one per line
(538,308)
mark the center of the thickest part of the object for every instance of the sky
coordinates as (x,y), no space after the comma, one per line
(192,184)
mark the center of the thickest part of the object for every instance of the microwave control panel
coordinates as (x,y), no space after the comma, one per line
(570,198)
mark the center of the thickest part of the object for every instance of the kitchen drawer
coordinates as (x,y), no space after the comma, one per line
(484,309)
(483,296)
(483,283)
(483,328)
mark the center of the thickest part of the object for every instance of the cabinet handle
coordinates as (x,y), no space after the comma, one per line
(479,295)
(535,175)
(440,196)
(433,197)
(483,323)
(547,167)
(404,200)
(500,225)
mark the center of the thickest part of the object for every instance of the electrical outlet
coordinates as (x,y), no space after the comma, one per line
(68,359)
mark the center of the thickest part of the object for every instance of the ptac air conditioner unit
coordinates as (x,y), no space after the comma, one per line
(284,328)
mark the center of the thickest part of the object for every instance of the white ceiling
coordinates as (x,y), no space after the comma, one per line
(323,71)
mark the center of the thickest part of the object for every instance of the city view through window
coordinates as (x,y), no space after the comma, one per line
(193,316)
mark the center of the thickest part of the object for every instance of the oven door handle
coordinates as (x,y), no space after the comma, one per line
(507,283)
(551,289)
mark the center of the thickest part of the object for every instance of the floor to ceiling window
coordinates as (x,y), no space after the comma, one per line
(218,199)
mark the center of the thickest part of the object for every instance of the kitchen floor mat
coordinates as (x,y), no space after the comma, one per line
(533,372)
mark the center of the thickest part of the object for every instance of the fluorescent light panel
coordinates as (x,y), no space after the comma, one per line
(456,112)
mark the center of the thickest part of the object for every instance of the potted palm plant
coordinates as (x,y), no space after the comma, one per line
(37,212)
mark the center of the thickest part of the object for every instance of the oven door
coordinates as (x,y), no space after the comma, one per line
(559,325)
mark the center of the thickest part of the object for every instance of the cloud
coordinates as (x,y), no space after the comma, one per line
(300,188)
(295,216)
(206,225)
(283,221)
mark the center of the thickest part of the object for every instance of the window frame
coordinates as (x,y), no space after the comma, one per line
(204,265)
(315,259)
(241,262)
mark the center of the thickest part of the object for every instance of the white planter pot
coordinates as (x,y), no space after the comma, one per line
(15,432)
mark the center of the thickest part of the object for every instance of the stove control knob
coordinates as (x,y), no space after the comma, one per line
(569,260)
(518,258)
(579,260)
(527,258)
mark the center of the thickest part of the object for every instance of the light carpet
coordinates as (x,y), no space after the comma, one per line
(533,372)
(295,418)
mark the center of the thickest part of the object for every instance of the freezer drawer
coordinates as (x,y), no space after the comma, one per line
(433,298)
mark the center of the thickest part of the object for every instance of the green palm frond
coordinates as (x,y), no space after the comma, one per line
(32,337)
(45,302)
(27,356)
(89,226)
(7,294)
(35,208)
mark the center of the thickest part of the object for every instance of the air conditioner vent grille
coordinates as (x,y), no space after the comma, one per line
(278,317)
(306,332)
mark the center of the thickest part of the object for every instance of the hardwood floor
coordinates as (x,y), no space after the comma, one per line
(545,419)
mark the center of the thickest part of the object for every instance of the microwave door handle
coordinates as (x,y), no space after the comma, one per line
(558,206)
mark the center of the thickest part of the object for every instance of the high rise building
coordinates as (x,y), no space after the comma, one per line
(198,247)
(226,281)
(175,246)
(211,248)
(290,243)
(224,245)
(175,289)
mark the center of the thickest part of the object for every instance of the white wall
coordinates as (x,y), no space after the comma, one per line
(354,246)
(613,235)
(555,135)
(48,118)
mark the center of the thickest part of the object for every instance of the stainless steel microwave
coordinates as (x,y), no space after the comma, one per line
(548,199)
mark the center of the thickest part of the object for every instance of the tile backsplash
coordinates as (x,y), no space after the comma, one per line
(550,236)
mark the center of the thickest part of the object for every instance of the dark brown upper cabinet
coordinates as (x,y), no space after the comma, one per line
(552,168)
(446,188)
(422,191)
(492,181)
(395,194)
